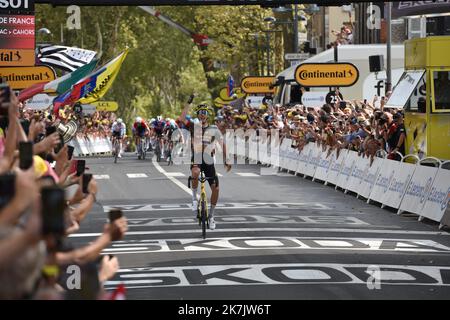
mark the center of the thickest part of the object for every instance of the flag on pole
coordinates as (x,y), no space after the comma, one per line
(94,86)
(230,85)
(59,85)
(65,58)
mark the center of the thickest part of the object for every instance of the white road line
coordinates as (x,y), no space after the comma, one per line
(328,230)
(175,174)
(101,176)
(136,175)
(164,172)
(247,174)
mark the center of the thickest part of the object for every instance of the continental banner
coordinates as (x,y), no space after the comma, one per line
(254,85)
(24,77)
(326,74)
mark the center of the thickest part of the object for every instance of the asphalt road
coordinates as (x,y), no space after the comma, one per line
(278,236)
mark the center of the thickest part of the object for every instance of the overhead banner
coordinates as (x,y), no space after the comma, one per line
(417,8)
(16,5)
(16,31)
(24,77)
(254,85)
(326,74)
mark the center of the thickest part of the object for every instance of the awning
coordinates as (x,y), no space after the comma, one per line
(404,89)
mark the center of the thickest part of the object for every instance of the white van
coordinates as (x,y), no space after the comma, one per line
(366,87)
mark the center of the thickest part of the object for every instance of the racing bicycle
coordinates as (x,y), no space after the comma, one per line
(202,208)
(142,148)
(116,148)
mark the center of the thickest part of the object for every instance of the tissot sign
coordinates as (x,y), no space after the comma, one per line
(326,74)
(17,5)
(257,84)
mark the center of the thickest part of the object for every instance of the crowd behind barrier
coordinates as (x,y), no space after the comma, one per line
(416,188)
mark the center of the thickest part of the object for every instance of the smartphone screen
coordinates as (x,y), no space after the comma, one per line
(70,151)
(61,143)
(53,205)
(7,188)
(86,179)
(50,130)
(5,93)
(25,155)
(81,164)
(115,214)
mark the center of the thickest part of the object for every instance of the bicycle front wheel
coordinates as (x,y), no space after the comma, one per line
(204,218)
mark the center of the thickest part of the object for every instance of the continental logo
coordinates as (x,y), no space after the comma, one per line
(258,85)
(15,58)
(24,77)
(326,74)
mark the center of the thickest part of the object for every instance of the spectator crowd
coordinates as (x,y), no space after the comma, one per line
(44,197)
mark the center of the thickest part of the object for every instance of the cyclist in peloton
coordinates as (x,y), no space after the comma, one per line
(118,130)
(203,140)
(169,128)
(158,127)
(140,130)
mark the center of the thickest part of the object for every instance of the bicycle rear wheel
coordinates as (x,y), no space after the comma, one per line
(116,151)
(143,148)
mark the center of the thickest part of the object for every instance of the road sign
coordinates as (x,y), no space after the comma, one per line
(296,56)
(258,84)
(24,77)
(106,105)
(326,74)
(17,58)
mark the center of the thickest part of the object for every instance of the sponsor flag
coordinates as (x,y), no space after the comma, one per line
(59,85)
(65,58)
(94,86)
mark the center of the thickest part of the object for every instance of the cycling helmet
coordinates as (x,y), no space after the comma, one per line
(152,120)
(159,118)
(119,120)
(138,119)
(188,117)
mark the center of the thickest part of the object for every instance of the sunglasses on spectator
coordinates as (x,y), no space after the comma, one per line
(203,112)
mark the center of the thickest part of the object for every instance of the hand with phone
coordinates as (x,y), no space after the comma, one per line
(191,98)
(25,155)
(116,229)
(53,223)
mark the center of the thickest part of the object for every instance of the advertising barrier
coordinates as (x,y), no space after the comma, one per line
(370,178)
(413,188)
(418,190)
(90,146)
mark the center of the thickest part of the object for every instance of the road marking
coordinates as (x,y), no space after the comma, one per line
(266,219)
(279,274)
(136,175)
(101,176)
(247,174)
(327,230)
(249,205)
(175,174)
(164,172)
(285,243)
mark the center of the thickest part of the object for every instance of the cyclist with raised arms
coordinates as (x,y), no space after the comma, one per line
(204,138)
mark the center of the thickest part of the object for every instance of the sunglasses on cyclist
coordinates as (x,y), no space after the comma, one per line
(203,112)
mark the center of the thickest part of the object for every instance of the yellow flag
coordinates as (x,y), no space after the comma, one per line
(104,78)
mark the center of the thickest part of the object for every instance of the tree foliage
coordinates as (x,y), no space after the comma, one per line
(164,66)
